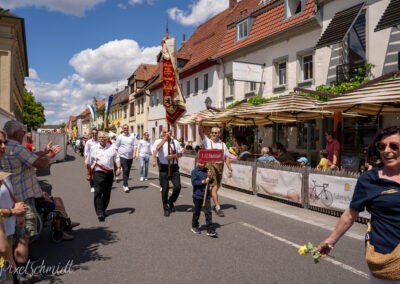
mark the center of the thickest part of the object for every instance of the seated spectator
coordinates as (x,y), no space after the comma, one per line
(266,155)
(189,146)
(323,162)
(197,148)
(282,155)
(303,162)
(244,155)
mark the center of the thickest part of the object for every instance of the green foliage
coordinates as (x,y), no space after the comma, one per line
(232,105)
(257,100)
(360,76)
(33,111)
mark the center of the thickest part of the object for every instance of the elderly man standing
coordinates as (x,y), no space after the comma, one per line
(125,145)
(168,151)
(100,168)
(22,163)
(89,146)
(216,168)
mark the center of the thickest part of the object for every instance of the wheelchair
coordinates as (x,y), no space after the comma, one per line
(48,215)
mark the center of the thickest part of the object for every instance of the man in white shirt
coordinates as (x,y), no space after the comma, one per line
(216,168)
(100,168)
(125,144)
(168,151)
(89,146)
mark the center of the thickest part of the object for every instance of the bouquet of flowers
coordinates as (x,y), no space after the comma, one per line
(311,250)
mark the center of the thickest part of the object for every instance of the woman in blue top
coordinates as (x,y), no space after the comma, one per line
(378,191)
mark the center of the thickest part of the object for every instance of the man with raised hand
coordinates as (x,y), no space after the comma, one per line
(214,142)
(22,163)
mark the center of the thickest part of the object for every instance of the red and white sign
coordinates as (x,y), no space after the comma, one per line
(211,156)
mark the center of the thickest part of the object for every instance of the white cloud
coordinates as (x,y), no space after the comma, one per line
(98,73)
(70,7)
(199,12)
(33,74)
(136,2)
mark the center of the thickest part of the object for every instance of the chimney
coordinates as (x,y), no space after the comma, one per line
(232,4)
(183,39)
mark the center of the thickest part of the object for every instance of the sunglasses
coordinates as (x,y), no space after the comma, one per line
(382,146)
(3,142)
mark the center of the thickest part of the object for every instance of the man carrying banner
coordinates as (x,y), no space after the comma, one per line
(168,151)
(216,168)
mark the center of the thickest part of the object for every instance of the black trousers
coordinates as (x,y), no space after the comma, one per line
(126,165)
(164,183)
(198,203)
(102,190)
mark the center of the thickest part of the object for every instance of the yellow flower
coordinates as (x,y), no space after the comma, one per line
(310,249)
(303,250)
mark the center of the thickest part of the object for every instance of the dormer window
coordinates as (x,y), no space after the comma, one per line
(263,2)
(243,29)
(294,7)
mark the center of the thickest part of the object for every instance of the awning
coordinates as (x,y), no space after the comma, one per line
(377,97)
(191,119)
(339,26)
(391,16)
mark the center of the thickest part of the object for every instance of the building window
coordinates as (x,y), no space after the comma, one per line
(231,86)
(187,88)
(138,107)
(196,85)
(251,87)
(281,73)
(125,111)
(293,7)
(307,67)
(242,29)
(132,110)
(142,105)
(205,82)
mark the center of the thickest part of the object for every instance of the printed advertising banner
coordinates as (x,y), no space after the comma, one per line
(332,192)
(186,165)
(241,177)
(281,184)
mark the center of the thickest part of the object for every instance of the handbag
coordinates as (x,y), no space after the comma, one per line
(382,266)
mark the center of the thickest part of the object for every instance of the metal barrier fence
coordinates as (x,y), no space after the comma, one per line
(325,192)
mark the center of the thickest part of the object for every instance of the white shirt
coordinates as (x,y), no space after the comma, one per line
(144,148)
(6,202)
(209,144)
(125,145)
(163,152)
(89,145)
(103,156)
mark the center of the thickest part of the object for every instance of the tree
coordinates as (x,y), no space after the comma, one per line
(33,111)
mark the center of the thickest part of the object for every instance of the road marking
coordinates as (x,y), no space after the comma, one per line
(328,259)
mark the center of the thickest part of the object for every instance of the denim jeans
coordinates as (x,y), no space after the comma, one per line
(144,166)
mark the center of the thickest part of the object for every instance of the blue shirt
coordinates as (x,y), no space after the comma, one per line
(381,198)
(198,187)
(267,158)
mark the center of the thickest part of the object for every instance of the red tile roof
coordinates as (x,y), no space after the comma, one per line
(145,71)
(269,20)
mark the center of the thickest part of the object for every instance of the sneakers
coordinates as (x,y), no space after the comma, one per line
(141,179)
(195,230)
(126,189)
(92,190)
(212,233)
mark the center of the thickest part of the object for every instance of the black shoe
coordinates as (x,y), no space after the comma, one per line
(171,206)
(212,233)
(166,213)
(101,218)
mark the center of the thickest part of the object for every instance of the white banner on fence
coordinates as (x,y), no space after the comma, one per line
(281,184)
(241,177)
(332,192)
(186,165)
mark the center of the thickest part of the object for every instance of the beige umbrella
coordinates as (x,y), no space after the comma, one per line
(206,114)
(286,108)
(379,96)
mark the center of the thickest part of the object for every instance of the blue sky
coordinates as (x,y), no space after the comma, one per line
(78,49)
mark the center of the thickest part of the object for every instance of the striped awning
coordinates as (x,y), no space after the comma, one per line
(376,98)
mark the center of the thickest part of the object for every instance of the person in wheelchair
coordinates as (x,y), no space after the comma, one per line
(61,223)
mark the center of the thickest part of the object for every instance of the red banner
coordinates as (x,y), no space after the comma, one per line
(211,156)
(173,100)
